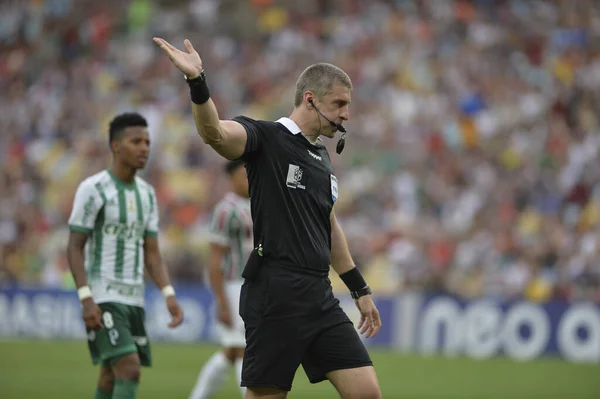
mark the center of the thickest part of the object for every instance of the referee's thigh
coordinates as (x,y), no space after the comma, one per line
(336,348)
(277,332)
(357,383)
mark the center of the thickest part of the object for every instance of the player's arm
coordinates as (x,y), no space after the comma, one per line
(228,138)
(86,205)
(90,311)
(224,226)
(154,265)
(157,270)
(75,249)
(158,273)
(342,263)
(217,281)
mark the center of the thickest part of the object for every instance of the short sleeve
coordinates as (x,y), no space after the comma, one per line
(88,202)
(255,136)
(152,227)
(224,225)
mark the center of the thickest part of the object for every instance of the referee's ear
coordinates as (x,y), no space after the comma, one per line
(309,97)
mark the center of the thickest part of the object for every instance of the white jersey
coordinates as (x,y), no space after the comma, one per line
(118,216)
(231,227)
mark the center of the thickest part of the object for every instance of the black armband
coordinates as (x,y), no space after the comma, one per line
(198,89)
(356,283)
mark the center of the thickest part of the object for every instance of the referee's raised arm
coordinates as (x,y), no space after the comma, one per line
(228,138)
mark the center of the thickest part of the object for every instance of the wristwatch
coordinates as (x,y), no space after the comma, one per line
(361,292)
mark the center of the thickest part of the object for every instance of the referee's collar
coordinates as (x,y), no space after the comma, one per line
(289,125)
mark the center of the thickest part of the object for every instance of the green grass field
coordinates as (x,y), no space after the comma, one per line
(39,369)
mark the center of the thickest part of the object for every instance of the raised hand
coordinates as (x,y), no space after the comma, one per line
(189,63)
(370,323)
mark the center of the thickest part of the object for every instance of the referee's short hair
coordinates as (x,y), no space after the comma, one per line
(320,78)
(231,166)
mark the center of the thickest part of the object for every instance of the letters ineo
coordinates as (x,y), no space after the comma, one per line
(521,331)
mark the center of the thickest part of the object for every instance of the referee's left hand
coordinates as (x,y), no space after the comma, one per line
(370,323)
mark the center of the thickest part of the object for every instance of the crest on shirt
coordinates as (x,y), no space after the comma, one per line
(334,188)
(295,177)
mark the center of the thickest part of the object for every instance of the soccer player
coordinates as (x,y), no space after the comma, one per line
(113,236)
(289,311)
(231,244)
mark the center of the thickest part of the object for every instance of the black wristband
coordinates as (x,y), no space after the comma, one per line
(353,280)
(198,89)
(361,292)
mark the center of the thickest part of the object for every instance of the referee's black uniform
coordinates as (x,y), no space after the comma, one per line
(287,304)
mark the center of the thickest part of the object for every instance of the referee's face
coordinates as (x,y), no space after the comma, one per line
(336,107)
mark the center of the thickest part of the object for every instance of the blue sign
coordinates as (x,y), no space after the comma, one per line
(427,324)
(483,328)
(47,313)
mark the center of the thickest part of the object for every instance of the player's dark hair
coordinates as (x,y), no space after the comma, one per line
(121,122)
(231,166)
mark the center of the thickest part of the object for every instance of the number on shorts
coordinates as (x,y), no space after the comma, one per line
(113,335)
(108,320)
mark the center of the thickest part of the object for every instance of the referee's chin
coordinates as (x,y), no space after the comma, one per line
(329,133)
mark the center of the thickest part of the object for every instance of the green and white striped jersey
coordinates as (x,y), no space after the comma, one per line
(231,227)
(117,216)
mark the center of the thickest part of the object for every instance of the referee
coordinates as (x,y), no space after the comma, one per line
(286,302)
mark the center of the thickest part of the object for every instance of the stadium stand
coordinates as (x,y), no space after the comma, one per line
(471,165)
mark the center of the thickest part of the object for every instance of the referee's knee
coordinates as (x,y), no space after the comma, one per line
(370,391)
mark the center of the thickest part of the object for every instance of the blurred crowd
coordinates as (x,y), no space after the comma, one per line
(471,165)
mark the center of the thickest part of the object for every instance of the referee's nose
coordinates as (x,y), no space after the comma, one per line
(345,113)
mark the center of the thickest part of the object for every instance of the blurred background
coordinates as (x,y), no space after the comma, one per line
(471,165)
(469,187)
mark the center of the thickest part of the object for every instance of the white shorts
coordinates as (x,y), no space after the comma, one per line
(235,336)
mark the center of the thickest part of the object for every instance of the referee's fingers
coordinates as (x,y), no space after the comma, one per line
(365,326)
(374,323)
(368,327)
(361,323)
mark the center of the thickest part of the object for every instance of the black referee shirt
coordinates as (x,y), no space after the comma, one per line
(292,192)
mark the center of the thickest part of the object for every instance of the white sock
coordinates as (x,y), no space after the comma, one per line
(238,376)
(211,377)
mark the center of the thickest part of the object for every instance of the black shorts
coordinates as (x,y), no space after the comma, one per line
(294,319)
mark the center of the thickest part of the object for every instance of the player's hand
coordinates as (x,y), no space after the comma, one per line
(92,315)
(225,314)
(370,323)
(189,63)
(175,310)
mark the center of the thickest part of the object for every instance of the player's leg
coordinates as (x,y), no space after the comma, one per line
(211,377)
(238,361)
(106,383)
(214,372)
(127,367)
(339,355)
(127,371)
(236,337)
(114,346)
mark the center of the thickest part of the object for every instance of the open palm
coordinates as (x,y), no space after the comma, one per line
(189,63)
